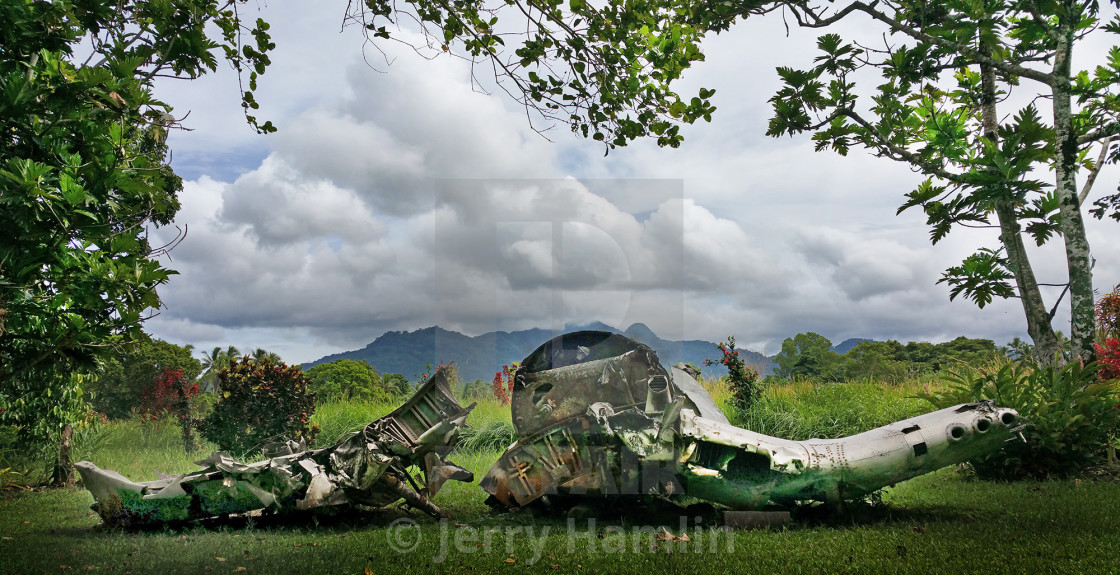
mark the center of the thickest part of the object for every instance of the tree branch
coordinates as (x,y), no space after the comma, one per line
(1106,131)
(897,152)
(1096,170)
(963,49)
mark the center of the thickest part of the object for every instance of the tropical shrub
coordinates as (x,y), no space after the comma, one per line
(742,380)
(1108,359)
(1107,311)
(261,402)
(170,396)
(397,384)
(502,387)
(1069,416)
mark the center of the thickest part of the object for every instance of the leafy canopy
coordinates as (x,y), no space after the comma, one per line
(120,385)
(347,379)
(84,171)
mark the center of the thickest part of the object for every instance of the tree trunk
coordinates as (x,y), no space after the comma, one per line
(64,469)
(186,418)
(1038,320)
(1071,222)
(1039,327)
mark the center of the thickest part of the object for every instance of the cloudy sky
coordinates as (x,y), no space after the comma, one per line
(396,196)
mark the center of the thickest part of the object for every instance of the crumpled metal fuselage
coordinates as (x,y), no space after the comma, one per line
(369,467)
(598,416)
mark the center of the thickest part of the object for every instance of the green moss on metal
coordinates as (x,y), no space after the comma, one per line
(168,509)
(217,499)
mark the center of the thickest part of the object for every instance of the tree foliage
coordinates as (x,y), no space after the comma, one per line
(808,355)
(84,170)
(213,362)
(397,384)
(892,362)
(604,69)
(608,70)
(120,385)
(347,379)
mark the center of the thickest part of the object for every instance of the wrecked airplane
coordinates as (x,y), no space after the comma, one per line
(597,416)
(370,467)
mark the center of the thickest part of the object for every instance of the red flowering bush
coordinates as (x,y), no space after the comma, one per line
(1108,314)
(262,402)
(448,369)
(503,383)
(169,396)
(1108,359)
(743,380)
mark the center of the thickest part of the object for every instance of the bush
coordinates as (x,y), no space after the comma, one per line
(261,402)
(170,396)
(1108,358)
(742,380)
(502,386)
(1108,314)
(1069,416)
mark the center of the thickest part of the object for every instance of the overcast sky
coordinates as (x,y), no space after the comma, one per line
(396,197)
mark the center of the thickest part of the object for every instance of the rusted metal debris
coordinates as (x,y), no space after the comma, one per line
(370,467)
(598,418)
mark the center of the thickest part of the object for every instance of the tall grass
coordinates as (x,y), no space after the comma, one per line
(489,427)
(138,449)
(338,419)
(803,409)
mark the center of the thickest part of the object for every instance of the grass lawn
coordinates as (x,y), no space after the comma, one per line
(939,523)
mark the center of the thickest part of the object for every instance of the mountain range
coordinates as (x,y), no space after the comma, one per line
(481,356)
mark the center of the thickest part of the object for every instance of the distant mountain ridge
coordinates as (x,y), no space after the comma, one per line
(847,345)
(480,357)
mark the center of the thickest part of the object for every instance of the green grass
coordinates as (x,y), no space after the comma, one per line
(942,523)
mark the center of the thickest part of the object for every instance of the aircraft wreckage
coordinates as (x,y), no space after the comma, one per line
(370,467)
(598,418)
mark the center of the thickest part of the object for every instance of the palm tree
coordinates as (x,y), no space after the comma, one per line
(213,362)
(265,357)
